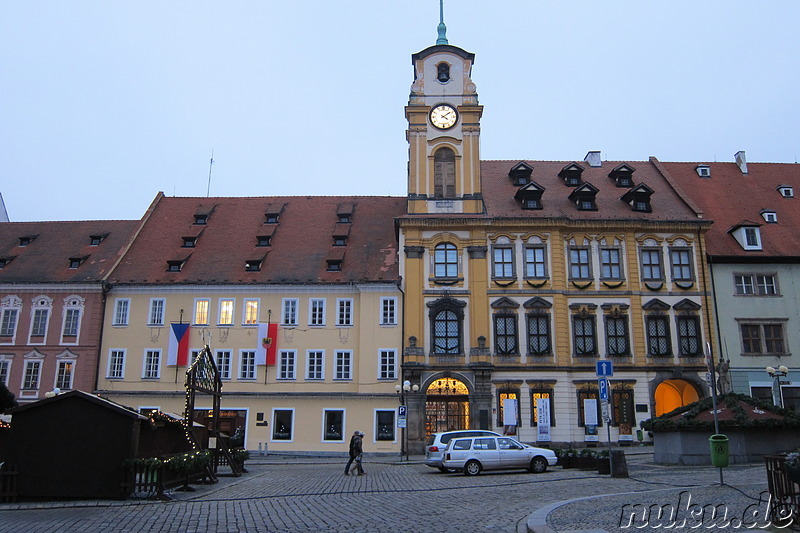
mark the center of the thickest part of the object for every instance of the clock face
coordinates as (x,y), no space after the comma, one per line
(444,116)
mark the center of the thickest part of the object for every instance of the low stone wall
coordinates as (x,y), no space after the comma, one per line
(744,446)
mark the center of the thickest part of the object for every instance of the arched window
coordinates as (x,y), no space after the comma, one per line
(447,319)
(444,173)
(443,72)
(445,261)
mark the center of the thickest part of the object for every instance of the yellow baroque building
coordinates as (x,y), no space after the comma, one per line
(525,279)
(322,270)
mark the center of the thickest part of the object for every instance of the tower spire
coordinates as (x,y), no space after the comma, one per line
(442,29)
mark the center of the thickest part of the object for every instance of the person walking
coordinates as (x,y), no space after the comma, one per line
(356,449)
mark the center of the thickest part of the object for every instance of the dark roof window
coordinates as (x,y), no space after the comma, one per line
(201,220)
(175,265)
(264,240)
(639,198)
(189,242)
(334,265)
(26,240)
(339,240)
(270,218)
(95,240)
(4,261)
(252,265)
(520,173)
(622,175)
(530,195)
(75,262)
(584,197)
(272,213)
(344,218)
(571,174)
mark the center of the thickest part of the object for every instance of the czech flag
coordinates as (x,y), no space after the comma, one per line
(178,354)
(267,344)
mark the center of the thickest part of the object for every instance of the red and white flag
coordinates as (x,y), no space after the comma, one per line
(178,353)
(267,344)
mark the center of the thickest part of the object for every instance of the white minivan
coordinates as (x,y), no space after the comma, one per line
(472,455)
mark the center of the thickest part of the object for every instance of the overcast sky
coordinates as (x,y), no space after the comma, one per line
(105,103)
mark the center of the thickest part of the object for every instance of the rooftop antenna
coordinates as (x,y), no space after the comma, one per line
(210,164)
(441,28)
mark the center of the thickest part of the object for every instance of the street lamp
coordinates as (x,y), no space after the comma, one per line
(776,374)
(401,394)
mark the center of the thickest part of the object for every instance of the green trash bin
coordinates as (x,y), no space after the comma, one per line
(719,450)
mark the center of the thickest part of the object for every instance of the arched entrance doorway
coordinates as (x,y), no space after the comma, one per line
(447,406)
(674,393)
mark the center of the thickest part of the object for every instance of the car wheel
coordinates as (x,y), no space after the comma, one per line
(472,468)
(538,465)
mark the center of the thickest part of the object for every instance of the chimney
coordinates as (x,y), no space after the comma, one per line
(593,158)
(741,161)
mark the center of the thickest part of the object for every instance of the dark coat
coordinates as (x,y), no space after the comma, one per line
(355,446)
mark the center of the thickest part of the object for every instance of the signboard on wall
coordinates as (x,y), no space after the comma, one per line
(590,420)
(543,420)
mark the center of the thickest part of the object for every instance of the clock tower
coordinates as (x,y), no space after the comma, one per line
(443,131)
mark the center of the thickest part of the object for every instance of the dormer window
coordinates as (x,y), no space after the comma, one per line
(344,214)
(530,195)
(334,265)
(339,240)
(252,265)
(639,198)
(443,72)
(25,241)
(272,213)
(704,171)
(75,262)
(4,261)
(344,218)
(95,240)
(787,191)
(270,218)
(747,234)
(189,242)
(622,175)
(584,197)
(264,240)
(175,266)
(201,220)
(770,217)
(520,174)
(571,174)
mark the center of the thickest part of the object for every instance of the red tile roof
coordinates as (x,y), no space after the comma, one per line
(301,242)
(47,258)
(729,197)
(498,193)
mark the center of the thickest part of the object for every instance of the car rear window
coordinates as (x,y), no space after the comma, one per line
(462,444)
(431,439)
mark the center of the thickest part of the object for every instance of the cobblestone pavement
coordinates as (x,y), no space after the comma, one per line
(293,495)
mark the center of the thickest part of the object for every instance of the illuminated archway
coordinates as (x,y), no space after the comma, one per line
(674,393)
(446,406)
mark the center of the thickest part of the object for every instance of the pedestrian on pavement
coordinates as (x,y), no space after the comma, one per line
(356,450)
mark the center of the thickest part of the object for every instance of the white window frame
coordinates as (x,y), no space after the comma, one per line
(316,312)
(8,311)
(114,355)
(247,368)
(325,412)
(343,372)
(122,312)
(290,311)
(155,317)
(62,363)
(196,312)
(151,364)
(225,306)
(389,311)
(275,425)
(30,364)
(387,370)
(224,367)
(375,430)
(344,312)
(5,369)
(317,371)
(287,365)
(250,312)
